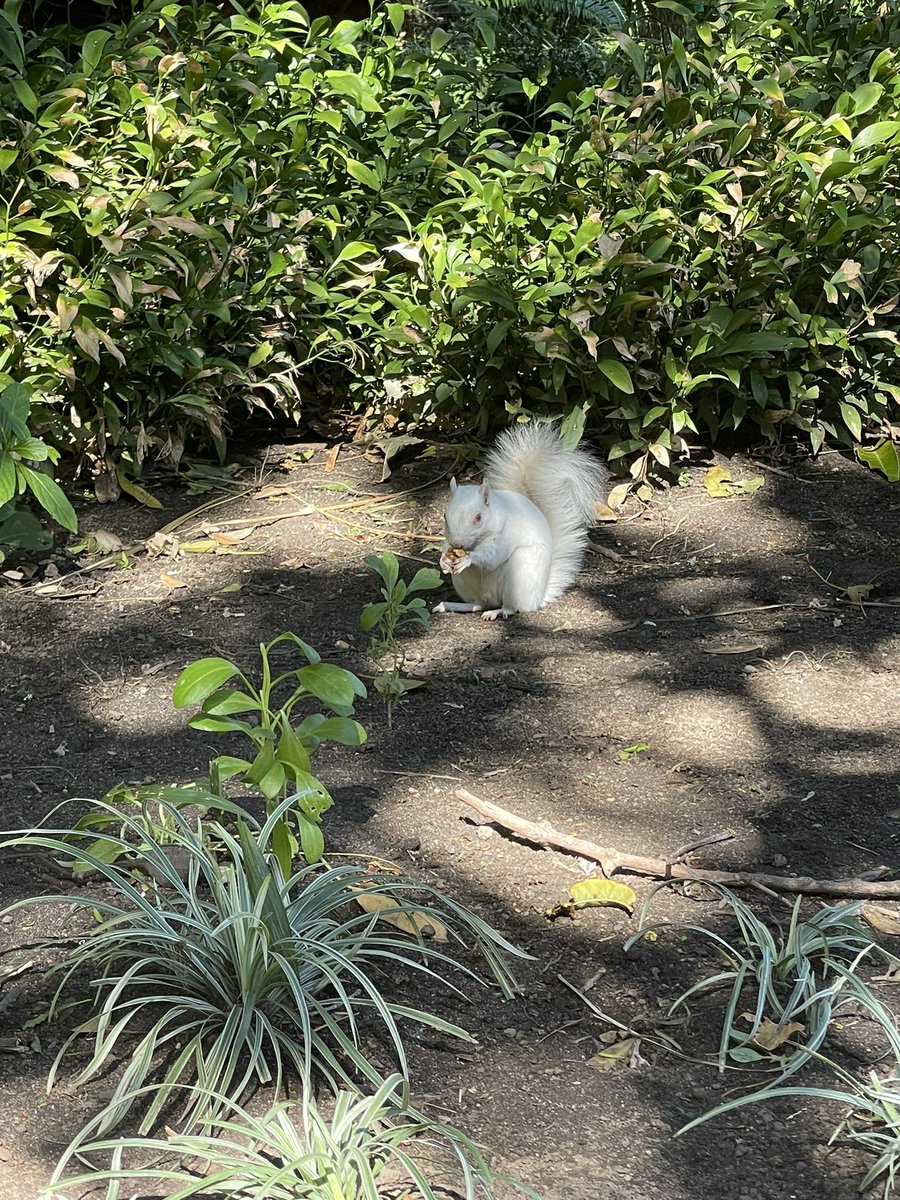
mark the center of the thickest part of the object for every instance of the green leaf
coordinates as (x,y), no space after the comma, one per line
(21,529)
(92,50)
(875,134)
(50,496)
(7,478)
(312,840)
(866,97)
(347,83)
(618,375)
(106,849)
(424,580)
(884,458)
(200,679)
(266,773)
(385,565)
(572,428)
(15,405)
(836,169)
(26,96)
(228,766)
(396,15)
(209,724)
(352,251)
(341,730)
(363,174)
(260,354)
(852,419)
(284,846)
(371,615)
(769,87)
(328,683)
(271,784)
(291,752)
(33,449)
(228,701)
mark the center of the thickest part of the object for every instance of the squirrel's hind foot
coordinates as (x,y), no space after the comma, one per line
(491,614)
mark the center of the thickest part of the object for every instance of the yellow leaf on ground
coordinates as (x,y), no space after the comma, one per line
(625,1053)
(715,481)
(719,483)
(603,891)
(171,581)
(229,537)
(858,592)
(412,921)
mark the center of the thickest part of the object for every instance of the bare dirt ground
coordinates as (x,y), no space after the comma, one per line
(768,703)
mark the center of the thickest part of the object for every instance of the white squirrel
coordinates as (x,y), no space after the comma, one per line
(516,542)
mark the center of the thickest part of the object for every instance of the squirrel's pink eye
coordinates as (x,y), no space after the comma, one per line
(478,518)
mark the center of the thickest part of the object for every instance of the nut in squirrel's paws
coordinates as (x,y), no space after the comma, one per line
(454,560)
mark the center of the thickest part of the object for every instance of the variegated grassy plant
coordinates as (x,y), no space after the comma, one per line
(873,1119)
(294,1152)
(783,985)
(222,974)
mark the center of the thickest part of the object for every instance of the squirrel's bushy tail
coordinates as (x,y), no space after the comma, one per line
(564,484)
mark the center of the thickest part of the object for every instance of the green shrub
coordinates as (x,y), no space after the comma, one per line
(196,204)
(399,608)
(710,239)
(790,982)
(207,212)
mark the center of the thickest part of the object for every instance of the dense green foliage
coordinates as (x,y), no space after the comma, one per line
(206,210)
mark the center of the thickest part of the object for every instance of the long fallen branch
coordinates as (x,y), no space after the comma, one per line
(613,861)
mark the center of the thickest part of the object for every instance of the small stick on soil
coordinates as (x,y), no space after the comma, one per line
(612,861)
(725,836)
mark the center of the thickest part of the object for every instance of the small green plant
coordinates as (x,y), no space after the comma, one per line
(294,1152)
(18,448)
(382,620)
(281,764)
(781,985)
(219,972)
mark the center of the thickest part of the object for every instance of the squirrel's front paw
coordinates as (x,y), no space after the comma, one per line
(454,561)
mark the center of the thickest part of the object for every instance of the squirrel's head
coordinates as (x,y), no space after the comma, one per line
(467,518)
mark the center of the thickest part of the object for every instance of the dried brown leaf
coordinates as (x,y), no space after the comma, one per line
(885,920)
(416,924)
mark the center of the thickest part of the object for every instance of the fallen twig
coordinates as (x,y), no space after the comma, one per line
(613,861)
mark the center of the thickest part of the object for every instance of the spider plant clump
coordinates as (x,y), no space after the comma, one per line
(295,1152)
(872,1120)
(223,973)
(782,986)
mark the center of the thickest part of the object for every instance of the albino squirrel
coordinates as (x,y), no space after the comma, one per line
(516,542)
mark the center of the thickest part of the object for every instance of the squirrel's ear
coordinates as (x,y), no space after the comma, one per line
(453,485)
(486,492)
